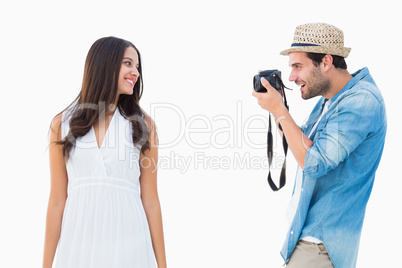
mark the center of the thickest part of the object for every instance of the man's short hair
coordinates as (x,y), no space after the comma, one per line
(338,61)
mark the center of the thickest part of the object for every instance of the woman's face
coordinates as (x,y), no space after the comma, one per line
(128,72)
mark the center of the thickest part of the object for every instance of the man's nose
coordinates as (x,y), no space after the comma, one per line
(292,77)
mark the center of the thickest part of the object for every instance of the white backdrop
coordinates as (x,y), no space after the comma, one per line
(198,62)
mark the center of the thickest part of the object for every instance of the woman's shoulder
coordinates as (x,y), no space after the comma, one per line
(55,127)
(58,124)
(56,121)
(150,123)
(148,120)
(152,131)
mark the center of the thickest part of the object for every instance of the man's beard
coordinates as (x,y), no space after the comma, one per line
(318,85)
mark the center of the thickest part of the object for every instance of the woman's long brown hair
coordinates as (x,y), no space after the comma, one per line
(99,91)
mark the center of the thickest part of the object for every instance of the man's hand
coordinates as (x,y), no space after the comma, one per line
(271,100)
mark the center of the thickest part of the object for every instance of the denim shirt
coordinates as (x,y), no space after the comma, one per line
(339,170)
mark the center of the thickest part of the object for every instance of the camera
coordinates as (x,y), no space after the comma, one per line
(272,76)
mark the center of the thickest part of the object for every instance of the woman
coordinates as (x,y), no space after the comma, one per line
(102,148)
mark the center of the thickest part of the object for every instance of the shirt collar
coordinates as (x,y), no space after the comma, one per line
(356,77)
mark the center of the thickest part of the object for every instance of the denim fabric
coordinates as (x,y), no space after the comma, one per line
(339,170)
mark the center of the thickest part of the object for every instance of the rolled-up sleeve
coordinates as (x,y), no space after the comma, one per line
(346,125)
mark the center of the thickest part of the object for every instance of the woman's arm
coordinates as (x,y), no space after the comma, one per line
(149,195)
(58,193)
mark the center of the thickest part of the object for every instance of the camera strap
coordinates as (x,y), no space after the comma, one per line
(282,179)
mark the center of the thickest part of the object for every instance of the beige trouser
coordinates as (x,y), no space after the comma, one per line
(309,255)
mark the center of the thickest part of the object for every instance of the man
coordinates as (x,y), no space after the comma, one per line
(338,149)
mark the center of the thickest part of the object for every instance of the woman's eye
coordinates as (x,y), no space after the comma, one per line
(127,63)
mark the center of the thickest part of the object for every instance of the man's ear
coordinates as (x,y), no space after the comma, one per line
(327,62)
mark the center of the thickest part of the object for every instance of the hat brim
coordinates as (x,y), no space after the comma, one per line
(342,52)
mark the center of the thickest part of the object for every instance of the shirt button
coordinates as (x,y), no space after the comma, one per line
(291,232)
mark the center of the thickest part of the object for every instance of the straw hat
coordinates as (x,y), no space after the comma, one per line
(318,38)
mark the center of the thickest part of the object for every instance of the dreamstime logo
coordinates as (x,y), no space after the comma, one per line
(200,160)
(199,132)
(219,132)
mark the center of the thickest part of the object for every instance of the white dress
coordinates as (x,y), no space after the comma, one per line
(104,223)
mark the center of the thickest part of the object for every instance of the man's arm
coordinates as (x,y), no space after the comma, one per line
(297,141)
